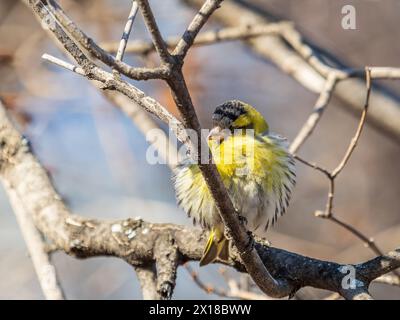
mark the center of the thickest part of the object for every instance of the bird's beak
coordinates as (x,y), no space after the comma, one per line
(218,134)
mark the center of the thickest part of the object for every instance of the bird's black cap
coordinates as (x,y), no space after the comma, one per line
(227,113)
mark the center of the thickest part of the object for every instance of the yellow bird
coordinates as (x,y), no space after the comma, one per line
(256,168)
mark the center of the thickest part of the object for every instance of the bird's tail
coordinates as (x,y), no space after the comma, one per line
(217,247)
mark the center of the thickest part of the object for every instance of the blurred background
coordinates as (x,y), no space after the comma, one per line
(96,156)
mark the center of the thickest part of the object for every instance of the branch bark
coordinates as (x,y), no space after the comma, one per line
(203,38)
(147,277)
(50,11)
(44,269)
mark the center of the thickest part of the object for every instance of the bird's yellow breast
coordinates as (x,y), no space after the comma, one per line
(257,172)
(249,157)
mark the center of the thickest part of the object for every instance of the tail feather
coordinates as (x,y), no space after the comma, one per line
(217,247)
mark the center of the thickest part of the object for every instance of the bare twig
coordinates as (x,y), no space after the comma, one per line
(204,38)
(313,165)
(63,64)
(125,36)
(369,242)
(51,10)
(385,73)
(360,127)
(157,38)
(233,292)
(294,38)
(194,27)
(315,116)
(328,214)
(332,175)
(127,31)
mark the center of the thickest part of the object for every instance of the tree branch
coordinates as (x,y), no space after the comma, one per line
(157,38)
(147,277)
(204,38)
(194,27)
(127,31)
(51,12)
(319,107)
(45,270)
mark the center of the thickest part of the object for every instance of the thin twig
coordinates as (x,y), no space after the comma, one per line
(51,10)
(127,31)
(194,27)
(360,127)
(63,64)
(312,165)
(319,107)
(328,214)
(204,38)
(369,242)
(233,292)
(156,36)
